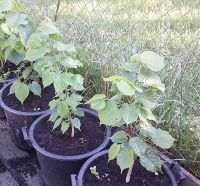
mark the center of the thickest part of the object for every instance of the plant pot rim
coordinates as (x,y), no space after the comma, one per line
(8,80)
(64,157)
(94,157)
(5,107)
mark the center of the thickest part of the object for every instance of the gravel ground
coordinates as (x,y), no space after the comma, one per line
(17,167)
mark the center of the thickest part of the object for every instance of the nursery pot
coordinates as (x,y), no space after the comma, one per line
(2,83)
(17,119)
(78,180)
(57,169)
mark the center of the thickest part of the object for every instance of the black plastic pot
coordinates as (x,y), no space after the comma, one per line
(78,180)
(2,83)
(57,169)
(17,120)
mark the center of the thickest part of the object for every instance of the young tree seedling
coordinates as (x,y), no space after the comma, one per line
(134,96)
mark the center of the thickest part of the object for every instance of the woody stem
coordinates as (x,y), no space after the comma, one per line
(128,176)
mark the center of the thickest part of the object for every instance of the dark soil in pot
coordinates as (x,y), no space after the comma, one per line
(89,138)
(61,155)
(9,67)
(110,175)
(19,116)
(33,103)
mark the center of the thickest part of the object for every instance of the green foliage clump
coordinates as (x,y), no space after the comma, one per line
(134,95)
(45,61)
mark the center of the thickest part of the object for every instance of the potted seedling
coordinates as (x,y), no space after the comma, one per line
(28,97)
(129,108)
(67,136)
(11,49)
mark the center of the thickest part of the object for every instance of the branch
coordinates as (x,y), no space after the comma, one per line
(128,176)
(57,9)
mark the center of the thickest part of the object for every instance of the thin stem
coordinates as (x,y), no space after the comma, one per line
(57,9)
(128,176)
(2,64)
(72,134)
(130,128)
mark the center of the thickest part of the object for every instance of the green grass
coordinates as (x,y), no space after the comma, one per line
(108,32)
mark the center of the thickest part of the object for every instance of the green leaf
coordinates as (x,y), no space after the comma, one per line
(12,88)
(150,79)
(5,29)
(113,78)
(76,81)
(110,115)
(70,49)
(53,104)
(79,113)
(7,53)
(2,34)
(129,67)
(2,15)
(151,161)
(53,117)
(149,99)
(49,28)
(113,151)
(163,139)
(24,33)
(119,137)
(48,78)
(98,105)
(55,37)
(12,41)
(35,88)
(16,57)
(59,46)
(19,47)
(74,100)
(95,98)
(62,108)
(145,114)
(13,20)
(57,123)
(64,127)
(35,40)
(130,113)
(138,145)
(21,91)
(116,98)
(152,61)
(160,137)
(125,88)
(76,123)
(43,64)
(5,5)
(135,58)
(59,83)
(125,158)
(26,72)
(18,7)
(148,104)
(34,54)
(3,44)
(71,63)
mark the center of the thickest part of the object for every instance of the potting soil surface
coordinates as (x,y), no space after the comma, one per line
(17,167)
